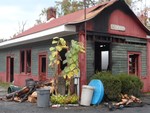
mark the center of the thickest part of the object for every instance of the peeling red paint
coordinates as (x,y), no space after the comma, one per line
(82,60)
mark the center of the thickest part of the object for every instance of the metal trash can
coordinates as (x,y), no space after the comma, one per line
(30,83)
(43,97)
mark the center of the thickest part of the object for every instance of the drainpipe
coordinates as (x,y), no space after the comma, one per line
(148,63)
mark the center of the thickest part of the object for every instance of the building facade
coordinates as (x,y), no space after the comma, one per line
(114,38)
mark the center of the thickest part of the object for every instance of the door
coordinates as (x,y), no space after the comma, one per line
(102,56)
(10,69)
(42,67)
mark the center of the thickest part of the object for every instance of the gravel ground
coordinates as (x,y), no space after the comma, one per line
(26,107)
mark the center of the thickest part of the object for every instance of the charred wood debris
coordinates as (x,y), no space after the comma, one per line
(28,92)
(126,101)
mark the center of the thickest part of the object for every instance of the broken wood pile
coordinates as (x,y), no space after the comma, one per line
(126,100)
(29,92)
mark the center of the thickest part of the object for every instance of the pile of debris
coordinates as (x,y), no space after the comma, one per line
(29,92)
(126,101)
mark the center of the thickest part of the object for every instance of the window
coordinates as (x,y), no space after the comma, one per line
(43,65)
(22,61)
(134,63)
(25,61)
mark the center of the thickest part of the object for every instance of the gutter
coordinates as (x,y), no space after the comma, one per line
(62,30)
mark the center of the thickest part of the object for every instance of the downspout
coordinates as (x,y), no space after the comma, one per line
(148,63)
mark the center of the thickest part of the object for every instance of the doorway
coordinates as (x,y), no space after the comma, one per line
(42,67)
(102,56)
(10,69)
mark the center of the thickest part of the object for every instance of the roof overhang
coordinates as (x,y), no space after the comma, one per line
(59,31)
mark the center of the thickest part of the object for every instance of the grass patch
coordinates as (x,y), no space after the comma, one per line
(4,84)
(147,93)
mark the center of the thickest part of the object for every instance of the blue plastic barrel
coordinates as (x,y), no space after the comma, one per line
(98,93)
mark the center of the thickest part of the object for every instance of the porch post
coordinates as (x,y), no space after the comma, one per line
(82,60)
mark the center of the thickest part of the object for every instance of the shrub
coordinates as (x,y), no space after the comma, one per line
(117,84)
(102,73)
(112,85)
(68,99)
(131,84)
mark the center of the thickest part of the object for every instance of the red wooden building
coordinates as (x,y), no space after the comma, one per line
(114,39)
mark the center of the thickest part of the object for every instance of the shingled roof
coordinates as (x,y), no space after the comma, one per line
(65,25)
(72,18)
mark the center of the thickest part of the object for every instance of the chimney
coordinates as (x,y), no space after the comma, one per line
(51,13)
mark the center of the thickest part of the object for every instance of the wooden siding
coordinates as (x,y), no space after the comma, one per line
(9,52)
(36,48)
(118,17)
(120,57)
(90,58)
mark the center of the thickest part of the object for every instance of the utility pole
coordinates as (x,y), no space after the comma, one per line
(85,17)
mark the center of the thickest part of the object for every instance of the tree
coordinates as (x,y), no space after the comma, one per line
(69,6)
(21,28)
(42,16)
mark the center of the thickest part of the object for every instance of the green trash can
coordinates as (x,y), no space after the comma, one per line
(13,88)
(43,97)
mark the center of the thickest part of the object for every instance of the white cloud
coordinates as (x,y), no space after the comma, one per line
(13,14)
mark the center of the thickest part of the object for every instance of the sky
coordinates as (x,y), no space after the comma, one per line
(14,12)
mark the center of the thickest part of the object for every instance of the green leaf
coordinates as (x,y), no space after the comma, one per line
(75,58)
(66,70)
(68,54)
(58,48)
(56,38)
(70,61)
(65,61)
(52,49)
(76,71)
(54,53)
(54,42)
(72,66)
(63,42)
(51,57)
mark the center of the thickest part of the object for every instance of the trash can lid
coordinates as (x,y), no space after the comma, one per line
(43,89)
(98,92)
(88,87)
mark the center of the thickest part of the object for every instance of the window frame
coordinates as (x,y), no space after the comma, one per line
(139,63)
(25,61)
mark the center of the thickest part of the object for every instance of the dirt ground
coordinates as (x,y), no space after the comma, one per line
(26,107)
